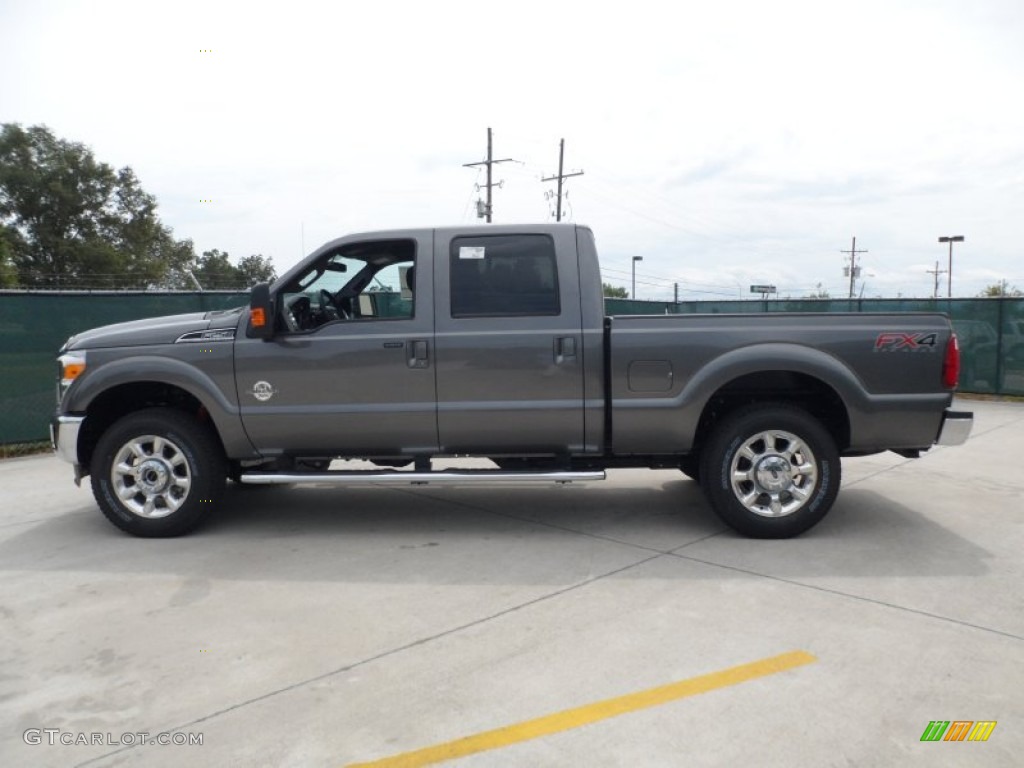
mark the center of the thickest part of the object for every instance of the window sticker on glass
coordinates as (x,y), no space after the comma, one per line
(471,252)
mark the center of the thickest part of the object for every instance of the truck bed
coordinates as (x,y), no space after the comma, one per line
(884,370)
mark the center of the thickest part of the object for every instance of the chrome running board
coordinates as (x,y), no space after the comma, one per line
(399,477)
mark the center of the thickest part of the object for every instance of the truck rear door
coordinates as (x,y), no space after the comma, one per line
(509,341)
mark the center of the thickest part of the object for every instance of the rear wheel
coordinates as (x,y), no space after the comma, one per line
(157,473)
(771,471)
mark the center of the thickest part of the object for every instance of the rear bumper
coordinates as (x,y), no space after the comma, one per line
(64,436)
(956,427)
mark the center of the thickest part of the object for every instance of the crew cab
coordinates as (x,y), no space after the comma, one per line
(407,346)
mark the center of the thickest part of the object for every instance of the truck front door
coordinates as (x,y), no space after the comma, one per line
(509,343)
(350,369)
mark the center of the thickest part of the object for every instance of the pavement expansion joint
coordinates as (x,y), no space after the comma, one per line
(852,596)
(384,654)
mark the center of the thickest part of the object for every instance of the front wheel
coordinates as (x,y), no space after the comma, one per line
(690,466)
(157,473)
(771,471)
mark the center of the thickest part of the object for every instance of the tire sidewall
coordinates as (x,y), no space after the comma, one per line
(733,433)
(196,445)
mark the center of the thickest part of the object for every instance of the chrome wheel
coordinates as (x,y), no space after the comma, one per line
(151,476)
(773,474)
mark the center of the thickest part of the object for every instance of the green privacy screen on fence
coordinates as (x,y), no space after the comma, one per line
(991,331)
(33,326)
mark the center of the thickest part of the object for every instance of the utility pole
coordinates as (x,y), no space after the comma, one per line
(635,260)
(559,177)
(949,277)
(676,293)
(489,209)
(936,272)
(854,269)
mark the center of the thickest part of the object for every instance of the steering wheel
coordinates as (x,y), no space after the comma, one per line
(290,321)
(327,300)
(297,313)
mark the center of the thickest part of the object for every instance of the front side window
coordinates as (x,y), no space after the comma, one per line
(503,275)
(358,281)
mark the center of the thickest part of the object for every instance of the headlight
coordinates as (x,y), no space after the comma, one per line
(72,365)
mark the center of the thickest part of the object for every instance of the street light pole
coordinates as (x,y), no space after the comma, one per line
(949,271)
(635,260)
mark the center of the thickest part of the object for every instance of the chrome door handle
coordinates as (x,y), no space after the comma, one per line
(419,353)
(565,348)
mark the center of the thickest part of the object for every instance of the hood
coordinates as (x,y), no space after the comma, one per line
(152,330)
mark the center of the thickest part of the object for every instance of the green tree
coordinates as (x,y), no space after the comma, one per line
(819,293)
(614,291)
(1000,289)
(256,269)
(8,273)
(79,222)
(215,271)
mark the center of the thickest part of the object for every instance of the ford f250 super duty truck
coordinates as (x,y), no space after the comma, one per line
(405,346)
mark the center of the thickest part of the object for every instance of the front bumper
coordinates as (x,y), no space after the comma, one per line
(956,427)
(64,437)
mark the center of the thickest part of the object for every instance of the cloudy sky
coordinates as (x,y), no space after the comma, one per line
(727,142)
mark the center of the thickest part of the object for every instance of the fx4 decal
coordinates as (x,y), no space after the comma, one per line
(896,341)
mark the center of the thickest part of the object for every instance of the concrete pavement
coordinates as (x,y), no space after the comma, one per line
(324,627)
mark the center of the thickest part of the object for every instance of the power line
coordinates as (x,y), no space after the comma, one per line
(670,280)
(559,177)
(672,209)
(606,273)
(489,208)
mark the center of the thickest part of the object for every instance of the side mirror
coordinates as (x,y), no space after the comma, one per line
(261,313)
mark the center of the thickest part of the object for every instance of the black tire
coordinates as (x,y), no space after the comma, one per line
(777,499)
(177,467)
(690,466)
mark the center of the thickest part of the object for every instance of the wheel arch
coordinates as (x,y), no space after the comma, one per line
(121,387)
(112,404)
(793,387)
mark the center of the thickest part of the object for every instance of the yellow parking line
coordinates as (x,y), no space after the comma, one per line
(591,713)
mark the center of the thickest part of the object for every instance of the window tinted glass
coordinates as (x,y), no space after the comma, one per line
(359,281)
(503,275)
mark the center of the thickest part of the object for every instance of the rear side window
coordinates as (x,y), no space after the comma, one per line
(504,275)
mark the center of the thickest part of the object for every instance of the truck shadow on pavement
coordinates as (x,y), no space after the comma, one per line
(461,535)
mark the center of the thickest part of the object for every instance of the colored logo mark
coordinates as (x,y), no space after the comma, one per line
(958,730)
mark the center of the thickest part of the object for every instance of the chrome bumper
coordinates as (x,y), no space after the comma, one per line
(64,437)
(956,427)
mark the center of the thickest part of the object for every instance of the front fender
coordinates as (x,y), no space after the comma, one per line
(138,369)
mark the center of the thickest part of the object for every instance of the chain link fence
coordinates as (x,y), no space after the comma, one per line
(34,325)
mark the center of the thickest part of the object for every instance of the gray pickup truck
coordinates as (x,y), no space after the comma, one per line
(406,346)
